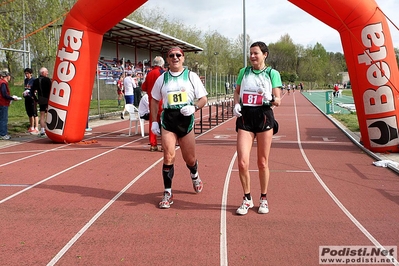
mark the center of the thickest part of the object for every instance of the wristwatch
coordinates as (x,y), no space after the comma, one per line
(196,107)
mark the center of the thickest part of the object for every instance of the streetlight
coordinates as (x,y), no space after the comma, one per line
(216,74)
(244,39)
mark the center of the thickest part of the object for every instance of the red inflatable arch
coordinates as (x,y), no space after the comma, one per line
(365,37)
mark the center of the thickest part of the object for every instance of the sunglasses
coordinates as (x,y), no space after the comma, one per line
(173,55)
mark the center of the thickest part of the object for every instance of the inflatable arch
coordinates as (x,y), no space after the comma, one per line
(365,37)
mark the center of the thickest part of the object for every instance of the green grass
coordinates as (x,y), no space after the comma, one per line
(18,121)
(349,120)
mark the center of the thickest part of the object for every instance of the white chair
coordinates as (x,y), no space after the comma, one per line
(135,117)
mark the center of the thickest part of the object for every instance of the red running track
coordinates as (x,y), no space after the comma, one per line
(97,203)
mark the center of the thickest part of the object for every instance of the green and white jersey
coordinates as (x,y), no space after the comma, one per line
(178,89)
(255,84)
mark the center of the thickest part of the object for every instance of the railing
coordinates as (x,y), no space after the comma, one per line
(219,112)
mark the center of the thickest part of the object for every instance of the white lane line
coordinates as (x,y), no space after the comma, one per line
(61,253)
(63,171)
(223,231)
(333,197)
(45,151)
(97,215)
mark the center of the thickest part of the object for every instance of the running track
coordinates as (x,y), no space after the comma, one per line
(97,203)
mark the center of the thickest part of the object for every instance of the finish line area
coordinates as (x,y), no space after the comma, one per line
(97,204)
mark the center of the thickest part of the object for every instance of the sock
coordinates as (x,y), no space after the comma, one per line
(248,196)
(167,174)
(263,196)
(169,190)
(193,170)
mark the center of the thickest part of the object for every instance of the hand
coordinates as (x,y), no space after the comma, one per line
(237,110)
(268,97)
(276,101)
(187,110)
(155,128)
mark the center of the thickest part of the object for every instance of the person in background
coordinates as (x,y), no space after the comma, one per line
(41,88)
(137,90)
(5,100)
(129,84)
(182,94)
(119,89)
(157,69)
(144,108)
(258,87)
(30,104)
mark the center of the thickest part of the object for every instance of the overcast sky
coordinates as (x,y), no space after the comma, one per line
(266,20)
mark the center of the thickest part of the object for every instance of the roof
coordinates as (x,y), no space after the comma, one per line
(133,34)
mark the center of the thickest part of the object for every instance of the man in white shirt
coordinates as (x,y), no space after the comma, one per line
(144,108)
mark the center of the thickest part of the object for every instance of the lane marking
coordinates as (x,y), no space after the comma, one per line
(72,241)
(61,253)
(331,194)
(63,171)
(223,222)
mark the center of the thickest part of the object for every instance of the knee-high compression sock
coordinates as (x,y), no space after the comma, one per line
(167,174)
(193,170)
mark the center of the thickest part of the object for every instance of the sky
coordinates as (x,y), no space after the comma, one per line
(266,20)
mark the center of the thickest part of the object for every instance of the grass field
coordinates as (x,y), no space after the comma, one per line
(18,120)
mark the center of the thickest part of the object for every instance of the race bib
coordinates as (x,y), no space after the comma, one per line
(175,98)
(252,99)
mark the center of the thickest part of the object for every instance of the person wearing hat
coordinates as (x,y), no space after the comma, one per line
(5,99)
(182,94)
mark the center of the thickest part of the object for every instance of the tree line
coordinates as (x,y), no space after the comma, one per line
(41,21)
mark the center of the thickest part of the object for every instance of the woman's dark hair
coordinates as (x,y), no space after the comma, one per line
(262,46)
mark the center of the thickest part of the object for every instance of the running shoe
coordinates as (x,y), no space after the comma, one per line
(43,135)
(166,201)
(34,132)
(263,206)
(154,148)
(30,130)
(122,116)
(246,204)
(5,137)
(197,183)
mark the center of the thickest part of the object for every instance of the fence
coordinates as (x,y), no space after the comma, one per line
(219,112)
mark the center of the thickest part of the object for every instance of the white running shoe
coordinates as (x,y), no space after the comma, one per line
(197,183)
(246,204)
(166,201)
(263,206)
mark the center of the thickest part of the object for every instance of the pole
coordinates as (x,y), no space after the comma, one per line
(244,39)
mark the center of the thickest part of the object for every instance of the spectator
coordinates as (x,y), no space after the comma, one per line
(120,89)
(255,119)
(137,90)
(30,104)
(41,92)
(158,64)
(227,86)
(178,88)
(336,89)
(5,100)
(144,107)
(128,84)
